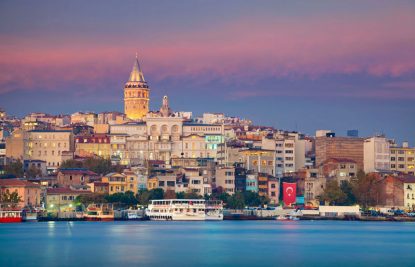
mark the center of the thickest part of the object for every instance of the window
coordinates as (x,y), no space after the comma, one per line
(161,183)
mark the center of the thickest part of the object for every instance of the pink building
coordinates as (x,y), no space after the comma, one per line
(27,191)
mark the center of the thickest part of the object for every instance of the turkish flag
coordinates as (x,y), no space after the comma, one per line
(289,194)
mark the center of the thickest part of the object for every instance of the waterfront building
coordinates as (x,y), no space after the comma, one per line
(28,192)
(94,145)
(314,184)
(75,176)
(409,192)
(390,190)
(99,187)
(240,178)
(225,178)
(136,94)
(121,182)
(273,190)
(403,159)
(376,154)
(339,147)
(251,182)
(152,183)
(62,199)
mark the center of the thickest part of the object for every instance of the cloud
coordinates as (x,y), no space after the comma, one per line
(240,52)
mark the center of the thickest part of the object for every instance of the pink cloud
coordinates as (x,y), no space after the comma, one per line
(242,51)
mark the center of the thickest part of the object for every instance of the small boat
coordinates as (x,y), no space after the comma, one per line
(132,214)
(99,212)
(287,218)
(29,215)
(10,215)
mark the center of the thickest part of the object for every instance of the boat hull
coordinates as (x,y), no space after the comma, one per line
(99,219)
(10,220)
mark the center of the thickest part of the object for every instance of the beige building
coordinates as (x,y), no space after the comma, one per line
(75,176)
(49,146)
(15,144)
(225,178)
(136,94)
(163,136)
(409,193)
(314,185)
(62,199)
(403,159)
(95,145)
(121,182)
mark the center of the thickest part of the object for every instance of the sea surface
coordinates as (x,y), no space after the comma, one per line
(225,243)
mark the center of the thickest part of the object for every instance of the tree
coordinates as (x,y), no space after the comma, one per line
(126,199)
(71,163)
(156,193)
(143,197)
(180,195)
(87,199)
(14,168)
(333,194)
(365,188)
(7,197)
(33,171)
(347,188)
(236,201)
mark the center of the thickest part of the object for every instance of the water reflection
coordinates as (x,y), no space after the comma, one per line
(227,243)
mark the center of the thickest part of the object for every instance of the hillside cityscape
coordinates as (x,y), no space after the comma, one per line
(58,162)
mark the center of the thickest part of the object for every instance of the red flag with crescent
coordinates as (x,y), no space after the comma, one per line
(289,193)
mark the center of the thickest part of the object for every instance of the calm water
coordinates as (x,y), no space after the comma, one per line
(227,243)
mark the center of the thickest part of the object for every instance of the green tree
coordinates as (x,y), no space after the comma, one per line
(126,199)
(333,194)
(33,171)
(236,201)
(86,199)
(14,168)
(347,188)
(144,197)
(156,193)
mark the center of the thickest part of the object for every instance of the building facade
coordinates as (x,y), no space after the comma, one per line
(136,94)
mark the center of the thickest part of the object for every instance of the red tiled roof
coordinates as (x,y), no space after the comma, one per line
(16,183)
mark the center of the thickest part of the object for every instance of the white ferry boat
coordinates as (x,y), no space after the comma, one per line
(184,210)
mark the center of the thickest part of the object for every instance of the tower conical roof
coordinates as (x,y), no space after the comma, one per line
(136,74)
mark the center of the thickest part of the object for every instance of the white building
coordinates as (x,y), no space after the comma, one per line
(376,154)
